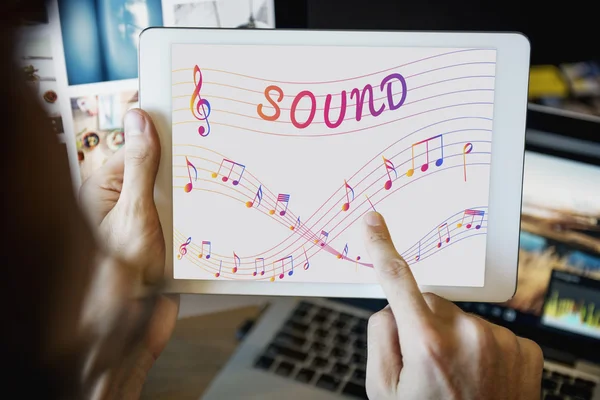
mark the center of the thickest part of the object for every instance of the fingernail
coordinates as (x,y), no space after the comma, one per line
(135,123)
(373,218)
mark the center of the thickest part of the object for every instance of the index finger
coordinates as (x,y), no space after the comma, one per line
(396,278)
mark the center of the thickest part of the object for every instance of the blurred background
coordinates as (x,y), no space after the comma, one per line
(80,56)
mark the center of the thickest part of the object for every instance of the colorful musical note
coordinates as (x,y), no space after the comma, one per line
(306,264)
(218,274)
(372,206)
(256,266)
(183,248)
(281,260)
(344,252)
(418,256)
(201,109)
(233,165)
(258,195)
(189,186)
(473,214)
(466,150)
(356,263)
(425,165)
(447,240)
(297,224)
(281,198)
(325,235)
(205,243)
(236,263)
(389,166)
(346,205)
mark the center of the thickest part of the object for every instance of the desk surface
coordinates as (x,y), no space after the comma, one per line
(199,348)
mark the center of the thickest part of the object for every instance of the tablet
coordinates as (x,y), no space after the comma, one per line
(275,144)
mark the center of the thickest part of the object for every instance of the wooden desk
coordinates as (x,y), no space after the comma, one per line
(199,348)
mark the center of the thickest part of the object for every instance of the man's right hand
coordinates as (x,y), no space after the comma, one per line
(423,347)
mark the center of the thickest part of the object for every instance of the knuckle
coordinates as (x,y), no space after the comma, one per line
(137,155)
(378,237)
(436,345)
(379,318)
(532,351)
(396,267)
(481,334)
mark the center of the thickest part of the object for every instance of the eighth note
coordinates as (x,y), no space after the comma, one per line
(281,198)
(418,257)
(389,166)
(344,253)
(425,165)
(189,186)
(258,195)
(233,164)
(205,243)
(297,224)
(236,262)
(346,206)
(473,214)
(447,240)
(218,274)
(325,235)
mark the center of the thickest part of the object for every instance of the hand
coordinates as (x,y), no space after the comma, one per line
(119,200)
(423,347)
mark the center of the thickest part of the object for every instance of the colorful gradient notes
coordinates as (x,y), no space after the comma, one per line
(282,203)
(349,190)
(472,214)
(278,162)
(232,168)
(426,142)
(189,186)
(183,248)
(258,195)
(200,107)
(389,166)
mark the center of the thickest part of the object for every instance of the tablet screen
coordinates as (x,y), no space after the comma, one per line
(279,151)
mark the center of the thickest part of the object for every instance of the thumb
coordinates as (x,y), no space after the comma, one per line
(142,156)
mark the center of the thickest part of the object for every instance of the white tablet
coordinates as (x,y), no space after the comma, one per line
(276,144)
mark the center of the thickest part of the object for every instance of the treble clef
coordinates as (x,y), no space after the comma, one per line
(183,248)
(201,108)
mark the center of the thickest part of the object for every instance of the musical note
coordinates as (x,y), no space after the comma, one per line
(372,206)
(389,166)
(444,225)
(306,264)
(344,252)
(473,214)
(258,195)
(218,274)
(233,165)
(325,235)
(183,248)
(466,150)
(418,256)
(189,186)
(346,206)
(297,224)
(281,198)
(236,262)
(205,243)
(201,109)
(356,263)
(290,273)
(425,165)
(256,266)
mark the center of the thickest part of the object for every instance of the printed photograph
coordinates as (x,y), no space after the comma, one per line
(221,14)
(37,65)
(98,126)
(100,37)
(560,227)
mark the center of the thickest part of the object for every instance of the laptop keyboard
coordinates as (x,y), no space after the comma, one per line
(562,386)
(321,347)
(327,349)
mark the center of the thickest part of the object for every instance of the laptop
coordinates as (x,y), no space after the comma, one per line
(312,348)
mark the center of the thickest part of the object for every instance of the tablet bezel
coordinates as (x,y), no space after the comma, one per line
(508,144)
